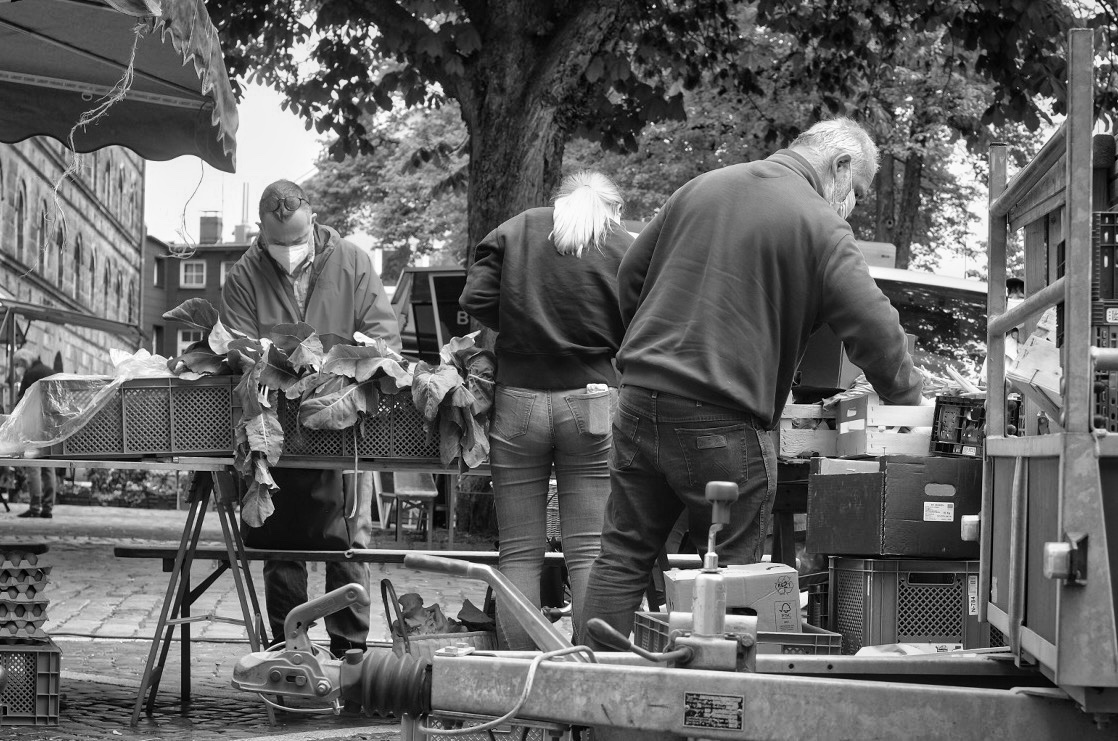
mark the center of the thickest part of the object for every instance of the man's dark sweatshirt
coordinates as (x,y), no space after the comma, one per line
(723,288)
(557,315)
(37,372)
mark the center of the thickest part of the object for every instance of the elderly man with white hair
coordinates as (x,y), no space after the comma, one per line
(40,482)
(719,295)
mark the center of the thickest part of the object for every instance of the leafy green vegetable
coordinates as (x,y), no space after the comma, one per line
(277,372)
(361,363)
(301,344)
(257,505)
(196,312)
(265,435)
(339,410)
(199,361)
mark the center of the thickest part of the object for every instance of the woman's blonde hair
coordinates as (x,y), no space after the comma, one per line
(587,208)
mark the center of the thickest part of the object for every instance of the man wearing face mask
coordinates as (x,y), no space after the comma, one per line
(300,271)
(719,295)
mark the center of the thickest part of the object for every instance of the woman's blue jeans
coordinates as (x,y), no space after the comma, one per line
(532,430)
(666,448)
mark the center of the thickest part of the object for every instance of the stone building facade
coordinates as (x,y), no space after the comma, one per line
(81,252)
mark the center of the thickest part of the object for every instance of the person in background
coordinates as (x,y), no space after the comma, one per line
(300,271)
(41,482)
(546,281)
(719,295)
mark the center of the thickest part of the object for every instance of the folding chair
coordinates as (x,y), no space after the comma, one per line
(411,492)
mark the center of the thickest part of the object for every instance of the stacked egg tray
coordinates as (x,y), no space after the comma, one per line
(23,602)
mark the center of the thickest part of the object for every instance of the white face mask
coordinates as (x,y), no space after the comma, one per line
(289,257)
(846,206)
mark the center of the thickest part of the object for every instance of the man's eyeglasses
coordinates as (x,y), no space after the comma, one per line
(272,204)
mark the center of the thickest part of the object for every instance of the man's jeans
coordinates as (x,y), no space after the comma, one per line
(531,430)
(40,488)
(666,449)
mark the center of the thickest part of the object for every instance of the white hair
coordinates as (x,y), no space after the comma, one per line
(587,208)
(841,136)
(25,355)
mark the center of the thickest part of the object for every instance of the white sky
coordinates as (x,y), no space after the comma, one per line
(271,144)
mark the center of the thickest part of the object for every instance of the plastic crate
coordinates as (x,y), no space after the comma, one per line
(650,632)
(30,696)
(959,425)
(395,430)
(515,730)
(882,601)
(152,416)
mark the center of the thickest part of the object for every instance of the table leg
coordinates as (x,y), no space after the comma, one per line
(451,497)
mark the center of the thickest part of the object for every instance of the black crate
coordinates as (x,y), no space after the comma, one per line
(394,430)
(31,695)
(959,425)
(1106,383)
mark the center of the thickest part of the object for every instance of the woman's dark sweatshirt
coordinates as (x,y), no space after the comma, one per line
(557,316)
(723,288)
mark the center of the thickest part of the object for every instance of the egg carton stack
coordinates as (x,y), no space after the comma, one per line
(23,602)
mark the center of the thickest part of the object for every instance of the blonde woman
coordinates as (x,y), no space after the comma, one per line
(546,281)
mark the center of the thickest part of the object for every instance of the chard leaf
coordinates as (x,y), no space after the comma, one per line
(381,346)
(276,372)
(306,385)
(248,392)
(302,345)
(459,350)
(339,410)
(196,312)
(360,363)
(262,474)
(257,505)
(265,435)
(198,361)
(431,386)
(220,338)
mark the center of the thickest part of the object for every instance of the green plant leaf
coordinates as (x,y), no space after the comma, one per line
(301,343)
(338,410)
(221,337)
(257,505)
(265,435)
(431,386)
(195,312)
(276,372)
(360,363)
(199,361)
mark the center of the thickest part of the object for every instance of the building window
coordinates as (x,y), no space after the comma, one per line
(226,266)
(188,337)
(21,220)
(192,274)
(131,299)
(60,248)
(41,242)
(92,277)
(108,283)
(78,259)
(159,272)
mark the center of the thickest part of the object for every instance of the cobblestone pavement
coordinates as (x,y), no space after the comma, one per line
(103,611)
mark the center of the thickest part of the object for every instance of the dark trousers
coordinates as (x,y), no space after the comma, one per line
(666,449)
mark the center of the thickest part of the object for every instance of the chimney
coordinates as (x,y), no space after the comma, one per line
(209,228)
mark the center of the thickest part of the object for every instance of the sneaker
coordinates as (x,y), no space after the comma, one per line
(46,515)
(29,513)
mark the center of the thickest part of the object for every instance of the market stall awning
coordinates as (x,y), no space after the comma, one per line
(60,58)
(9,306)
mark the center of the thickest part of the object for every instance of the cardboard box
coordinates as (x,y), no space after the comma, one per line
(806,431)
(1036,372)
(769,590)
(893,506)
(867,427)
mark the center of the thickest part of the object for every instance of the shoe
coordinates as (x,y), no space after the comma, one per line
(46,515)
(28,513)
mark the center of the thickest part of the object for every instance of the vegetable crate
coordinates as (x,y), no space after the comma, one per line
(151,416)
(883,601)
(30,696)
(959,425)
(395,430)
(650,632)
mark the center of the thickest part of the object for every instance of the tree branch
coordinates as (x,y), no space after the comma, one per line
(387,14)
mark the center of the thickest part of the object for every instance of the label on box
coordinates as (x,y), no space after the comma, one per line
(787,617)
(970,450)
(1112,316)
(939,511)
(972,595)
(703,710)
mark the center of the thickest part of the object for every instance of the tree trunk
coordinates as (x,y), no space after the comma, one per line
(910,208)
(886,209)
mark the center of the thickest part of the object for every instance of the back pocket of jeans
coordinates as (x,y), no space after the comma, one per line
(626,439)
(713,453)
(591,411)
(512,411)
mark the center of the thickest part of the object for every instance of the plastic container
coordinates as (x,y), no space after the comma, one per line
(959,425)
(155,416)
(650,632)
(30,696)
(882,601)
(395,430)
